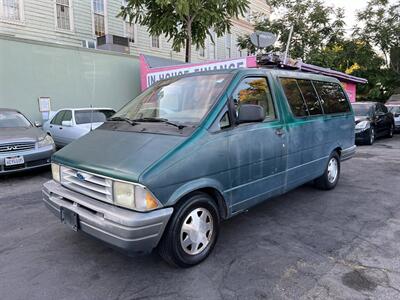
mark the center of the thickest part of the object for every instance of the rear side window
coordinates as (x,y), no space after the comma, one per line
(255,90)
(294,97)
(310,97)
(332,97)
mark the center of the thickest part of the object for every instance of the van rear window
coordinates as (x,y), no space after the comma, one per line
(294,97)
(332,97)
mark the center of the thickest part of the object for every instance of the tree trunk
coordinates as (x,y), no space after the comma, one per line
(188,57)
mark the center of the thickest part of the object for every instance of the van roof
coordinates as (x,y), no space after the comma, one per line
(274,71)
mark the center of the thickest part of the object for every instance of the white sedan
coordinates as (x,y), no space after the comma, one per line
(69,124)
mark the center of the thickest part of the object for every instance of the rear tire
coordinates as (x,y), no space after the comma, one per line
(192,232)
(331,175)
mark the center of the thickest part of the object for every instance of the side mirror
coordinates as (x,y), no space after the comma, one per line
(66,123)
(396,115)
(249,113)
(37,124)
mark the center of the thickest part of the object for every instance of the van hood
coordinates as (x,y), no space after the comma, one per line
(117,154)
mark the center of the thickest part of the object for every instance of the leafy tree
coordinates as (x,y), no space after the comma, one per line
(185,22)
(315,26)
(380,25)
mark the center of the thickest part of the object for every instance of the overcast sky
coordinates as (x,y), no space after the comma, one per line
(351,7)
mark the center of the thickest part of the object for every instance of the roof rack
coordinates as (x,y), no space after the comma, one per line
(276,60)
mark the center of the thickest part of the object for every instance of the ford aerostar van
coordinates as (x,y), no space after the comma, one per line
(191,151)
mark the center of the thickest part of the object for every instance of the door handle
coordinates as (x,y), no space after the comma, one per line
(60,128)
(280,131)
(51,126)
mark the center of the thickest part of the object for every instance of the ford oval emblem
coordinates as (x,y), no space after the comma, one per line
(80,176)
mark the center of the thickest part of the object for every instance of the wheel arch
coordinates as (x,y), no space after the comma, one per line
(206,186)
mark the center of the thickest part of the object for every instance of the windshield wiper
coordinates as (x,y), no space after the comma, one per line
(132,122)
(161,120)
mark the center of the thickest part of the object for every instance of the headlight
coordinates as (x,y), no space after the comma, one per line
(134,197)
(362,125)
(46,141)
(55,170)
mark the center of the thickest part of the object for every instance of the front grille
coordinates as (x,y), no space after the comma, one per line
(16,147)
(91,185)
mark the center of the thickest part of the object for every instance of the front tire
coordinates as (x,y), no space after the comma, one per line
(331,175)
(371,137)
(391,131)
(192,232)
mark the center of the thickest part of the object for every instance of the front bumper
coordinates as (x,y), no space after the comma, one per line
(362,135)
(127,230)
(35,158)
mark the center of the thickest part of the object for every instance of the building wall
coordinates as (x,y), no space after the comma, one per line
(70,76)
(38,22)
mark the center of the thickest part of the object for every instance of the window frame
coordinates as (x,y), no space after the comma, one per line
(21,19)
(151,42)
(232,110)
(344,93)
(105,15)
(126,24)
(71,18)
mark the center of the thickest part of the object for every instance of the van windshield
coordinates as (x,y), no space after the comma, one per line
(180,100)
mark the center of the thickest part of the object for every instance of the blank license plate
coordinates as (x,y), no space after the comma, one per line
(12,161)
(69,218)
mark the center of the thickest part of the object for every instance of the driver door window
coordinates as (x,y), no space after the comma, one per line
(58,118)
(255,90)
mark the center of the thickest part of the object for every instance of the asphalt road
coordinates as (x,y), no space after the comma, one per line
(307,244)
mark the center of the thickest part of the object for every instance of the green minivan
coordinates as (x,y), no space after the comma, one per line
(191,151)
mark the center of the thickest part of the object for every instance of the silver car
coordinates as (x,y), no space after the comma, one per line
(69,124)
(395,110)
(22,145)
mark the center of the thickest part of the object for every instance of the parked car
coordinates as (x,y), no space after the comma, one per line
(395,110)
(373,120)
(23,146)
(67,125)
(191,151)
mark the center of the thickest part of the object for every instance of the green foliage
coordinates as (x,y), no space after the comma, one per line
(319,39)
(315,26)
(185,22)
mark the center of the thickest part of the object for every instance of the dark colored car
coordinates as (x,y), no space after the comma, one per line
(22,145)
(373,120)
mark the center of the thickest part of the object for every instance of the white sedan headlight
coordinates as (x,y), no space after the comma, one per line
(46,141)
(362,125)
(134,197)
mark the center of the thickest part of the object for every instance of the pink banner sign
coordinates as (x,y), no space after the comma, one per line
(149,76)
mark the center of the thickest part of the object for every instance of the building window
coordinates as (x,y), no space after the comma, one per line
(202,52)
(212,46)
(155,41)
(99,17)
(63,10)
(130,32)
(228,45)
(11,10)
